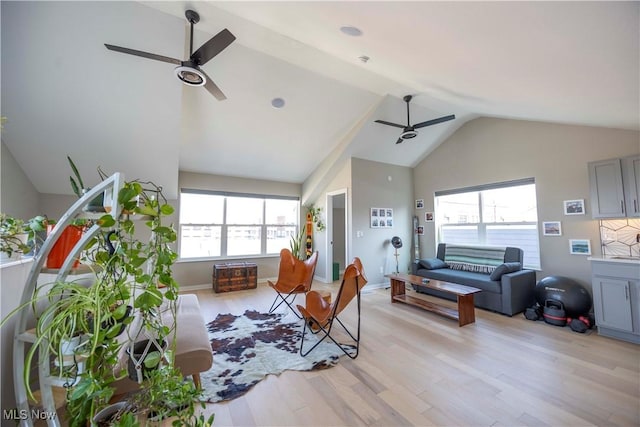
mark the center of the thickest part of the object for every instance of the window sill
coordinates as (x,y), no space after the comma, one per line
(224,259)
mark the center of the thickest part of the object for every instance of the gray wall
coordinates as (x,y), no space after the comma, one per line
(488,150)
(373,189)
(18,196)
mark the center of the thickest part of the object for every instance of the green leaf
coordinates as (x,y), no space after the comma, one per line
(147,210)
(76,173)
(126,194)
(106,221)
(83,388)
(152,360)
(167,209)
(119,312)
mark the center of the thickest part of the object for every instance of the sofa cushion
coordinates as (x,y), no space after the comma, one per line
(507,267)
(432,263)
(477,280)
(479,259)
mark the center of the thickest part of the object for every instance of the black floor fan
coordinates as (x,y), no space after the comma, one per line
(396,242)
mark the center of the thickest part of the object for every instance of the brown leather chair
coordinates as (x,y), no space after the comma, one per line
(319,315)
(294,277)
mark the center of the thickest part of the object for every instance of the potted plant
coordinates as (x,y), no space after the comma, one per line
(150,402)
(77,185)
(13,236)
(128,270)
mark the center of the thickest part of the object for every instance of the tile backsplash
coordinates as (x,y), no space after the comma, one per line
(619,237)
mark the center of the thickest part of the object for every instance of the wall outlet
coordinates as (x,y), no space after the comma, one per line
(381,270)
(359,233)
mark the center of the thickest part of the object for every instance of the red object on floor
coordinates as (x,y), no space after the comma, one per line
(70,236)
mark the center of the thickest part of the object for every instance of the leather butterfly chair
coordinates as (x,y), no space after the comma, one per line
(320,316)
(294,277)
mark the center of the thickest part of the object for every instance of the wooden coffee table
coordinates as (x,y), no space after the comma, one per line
(466,310)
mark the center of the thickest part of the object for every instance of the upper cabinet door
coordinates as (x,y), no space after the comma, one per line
(607,193)
(631,178)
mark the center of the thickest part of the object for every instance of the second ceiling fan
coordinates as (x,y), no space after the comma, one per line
(409,131)
(189,71)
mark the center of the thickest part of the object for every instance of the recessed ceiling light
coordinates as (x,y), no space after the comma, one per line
(351,31)
(277,102)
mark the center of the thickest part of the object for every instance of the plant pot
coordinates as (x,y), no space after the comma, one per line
(105,417)
(60,251)
(138,350)
(107,324)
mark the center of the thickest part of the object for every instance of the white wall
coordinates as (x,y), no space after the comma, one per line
(490,150)
(18,196)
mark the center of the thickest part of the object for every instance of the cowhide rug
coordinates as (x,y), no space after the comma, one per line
(248,347)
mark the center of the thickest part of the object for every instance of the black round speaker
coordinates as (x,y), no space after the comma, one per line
(574,297)
(396,242)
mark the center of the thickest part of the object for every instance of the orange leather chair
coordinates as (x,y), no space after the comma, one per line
(320,316)
(294,277)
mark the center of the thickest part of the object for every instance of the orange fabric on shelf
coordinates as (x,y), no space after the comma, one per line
(63,246)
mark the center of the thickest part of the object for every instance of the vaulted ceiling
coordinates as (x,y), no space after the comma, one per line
(64,93)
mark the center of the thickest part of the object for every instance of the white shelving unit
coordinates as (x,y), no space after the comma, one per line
(23,335)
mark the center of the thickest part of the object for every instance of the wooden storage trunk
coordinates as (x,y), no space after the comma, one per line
(235,276)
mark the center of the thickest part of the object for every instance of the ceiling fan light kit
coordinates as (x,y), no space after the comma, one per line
(409,131)
(190,76)
(189,71)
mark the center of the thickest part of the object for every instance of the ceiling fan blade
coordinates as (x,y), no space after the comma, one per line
(214,46)
(143,54)
(434,121)
(399,141)
(390,124)
(213,88)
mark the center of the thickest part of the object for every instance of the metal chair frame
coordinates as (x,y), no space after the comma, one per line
(326,328)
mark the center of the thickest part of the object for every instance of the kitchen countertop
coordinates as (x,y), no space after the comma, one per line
(619,259)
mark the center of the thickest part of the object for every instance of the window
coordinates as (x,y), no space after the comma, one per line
(217,224)
(502,214)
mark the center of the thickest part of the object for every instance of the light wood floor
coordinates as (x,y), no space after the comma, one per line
(417,368)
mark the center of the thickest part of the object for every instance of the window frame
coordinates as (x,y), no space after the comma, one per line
(224,225)
(482,226)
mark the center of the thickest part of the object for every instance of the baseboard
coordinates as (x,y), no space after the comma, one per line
(196,287)
(191,288)
(373,286)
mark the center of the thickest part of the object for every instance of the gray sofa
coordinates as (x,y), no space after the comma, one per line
(506,288)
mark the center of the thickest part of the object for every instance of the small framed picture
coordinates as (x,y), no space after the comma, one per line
(420,230)
(381,212)
(428,216)
(389,213)
(574,207)
(551,228)
(420,204)
(580,246)
(374,212)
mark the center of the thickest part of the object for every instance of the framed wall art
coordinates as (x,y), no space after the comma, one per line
(381,218)
(574,207)
(580,247)
(551,228)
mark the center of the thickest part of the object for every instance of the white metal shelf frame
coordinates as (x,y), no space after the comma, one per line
(110,186)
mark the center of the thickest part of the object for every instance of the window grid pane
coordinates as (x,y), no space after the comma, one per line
(214,225)
(200,241)
(499,216)
(243,240)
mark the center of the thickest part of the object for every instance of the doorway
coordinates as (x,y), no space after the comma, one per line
(337,233)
